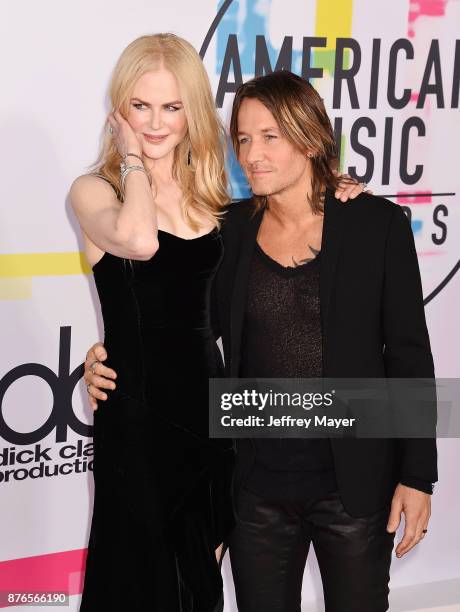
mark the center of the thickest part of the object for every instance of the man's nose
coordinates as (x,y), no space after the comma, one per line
(254,152)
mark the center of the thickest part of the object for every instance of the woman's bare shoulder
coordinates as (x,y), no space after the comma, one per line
(91,189)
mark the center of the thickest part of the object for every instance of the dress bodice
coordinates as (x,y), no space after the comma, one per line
(157,313)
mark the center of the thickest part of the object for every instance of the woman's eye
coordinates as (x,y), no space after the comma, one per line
(270,136)
(138,105)
(173,108)
(243,140)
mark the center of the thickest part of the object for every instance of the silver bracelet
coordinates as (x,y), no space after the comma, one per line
(125,173)
(131,155)
(123,165)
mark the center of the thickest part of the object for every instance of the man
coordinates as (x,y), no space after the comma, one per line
(309,287)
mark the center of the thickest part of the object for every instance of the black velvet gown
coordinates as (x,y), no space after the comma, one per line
(162,487)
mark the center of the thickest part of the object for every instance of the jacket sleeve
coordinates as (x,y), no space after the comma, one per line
(407,352)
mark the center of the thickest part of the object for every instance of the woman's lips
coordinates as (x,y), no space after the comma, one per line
(155,139)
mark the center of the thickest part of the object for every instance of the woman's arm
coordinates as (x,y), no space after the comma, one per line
(127,230)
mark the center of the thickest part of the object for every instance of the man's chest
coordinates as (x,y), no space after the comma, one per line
(292,247)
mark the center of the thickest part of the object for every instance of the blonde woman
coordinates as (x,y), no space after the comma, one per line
(162,488)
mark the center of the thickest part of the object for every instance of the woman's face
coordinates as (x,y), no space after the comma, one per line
(156,113)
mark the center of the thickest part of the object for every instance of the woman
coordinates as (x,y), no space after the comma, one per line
(162,505)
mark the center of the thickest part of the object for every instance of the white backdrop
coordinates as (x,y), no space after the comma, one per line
(56,61)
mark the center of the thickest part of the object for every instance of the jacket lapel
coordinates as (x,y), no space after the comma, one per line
(240,288)
(330,251)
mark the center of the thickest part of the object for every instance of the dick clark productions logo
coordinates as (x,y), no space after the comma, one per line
(62,386)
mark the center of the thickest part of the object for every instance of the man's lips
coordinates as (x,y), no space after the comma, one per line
(259,172)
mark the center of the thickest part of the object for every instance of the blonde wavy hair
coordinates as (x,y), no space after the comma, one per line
(199,159)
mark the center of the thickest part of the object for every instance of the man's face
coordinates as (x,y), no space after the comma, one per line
(271,163)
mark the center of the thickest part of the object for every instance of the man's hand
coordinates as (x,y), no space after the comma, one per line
(98,376)
(416,506)
(348,188)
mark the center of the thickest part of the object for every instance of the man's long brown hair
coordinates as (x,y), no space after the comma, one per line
(301,117)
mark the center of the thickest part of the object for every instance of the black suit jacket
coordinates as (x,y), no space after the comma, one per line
(373,325)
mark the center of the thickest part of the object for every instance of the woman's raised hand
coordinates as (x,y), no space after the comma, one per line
(126,140)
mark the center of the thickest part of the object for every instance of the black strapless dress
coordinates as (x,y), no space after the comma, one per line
(162,487)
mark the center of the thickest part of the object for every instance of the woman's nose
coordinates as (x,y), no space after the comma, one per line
(156,119)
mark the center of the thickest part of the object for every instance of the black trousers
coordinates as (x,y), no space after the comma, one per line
(269,548)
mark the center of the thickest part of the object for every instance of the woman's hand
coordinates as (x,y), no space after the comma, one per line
(125,139)
(349,188)
(97,376)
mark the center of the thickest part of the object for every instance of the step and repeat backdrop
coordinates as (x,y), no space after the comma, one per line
(389,73)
